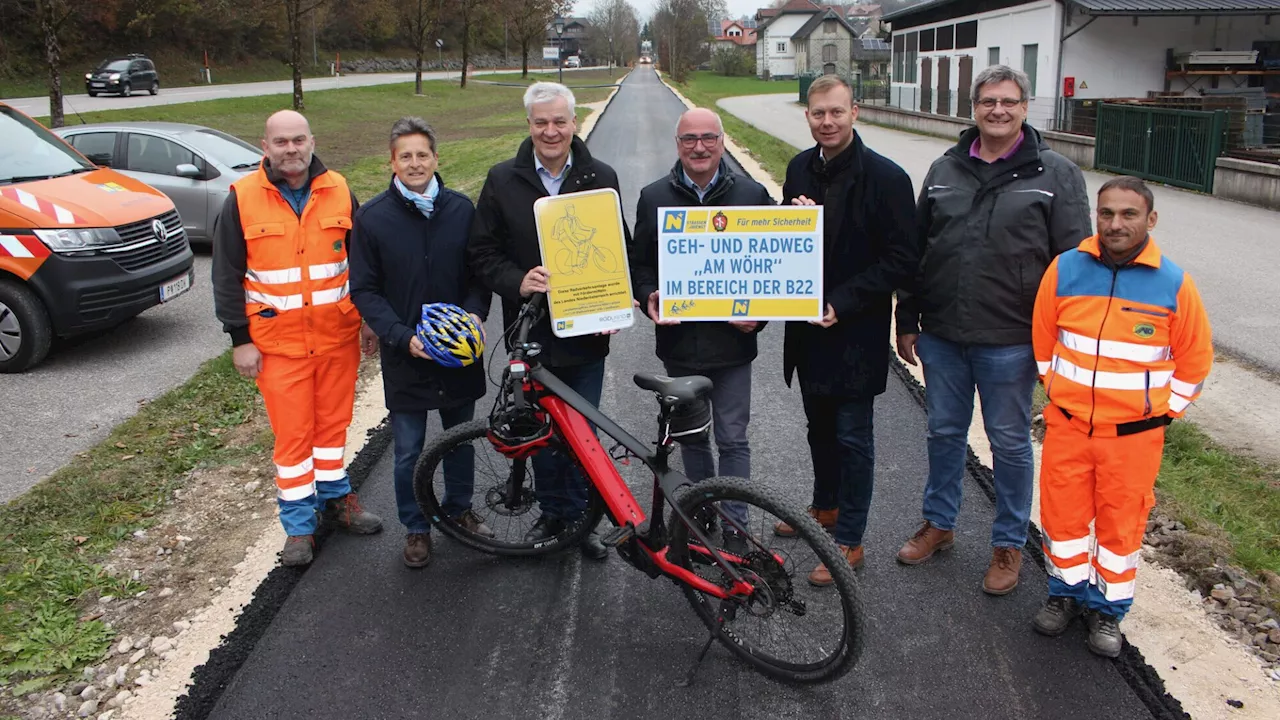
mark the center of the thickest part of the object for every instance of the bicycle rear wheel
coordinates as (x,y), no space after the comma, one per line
(501,496)
(791,630)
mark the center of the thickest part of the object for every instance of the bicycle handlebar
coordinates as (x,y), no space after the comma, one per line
(528,316)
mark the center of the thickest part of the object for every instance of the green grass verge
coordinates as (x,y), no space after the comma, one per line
(705,88)
(59,532)
(56,534)
(1220,493)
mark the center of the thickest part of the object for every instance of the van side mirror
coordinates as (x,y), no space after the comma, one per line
(187,170)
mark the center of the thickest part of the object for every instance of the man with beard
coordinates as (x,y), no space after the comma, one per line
(720,351)
(1123,346)
(870,249)
(281,290)
(503,251)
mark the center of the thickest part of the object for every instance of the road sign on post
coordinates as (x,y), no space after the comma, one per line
(550,52)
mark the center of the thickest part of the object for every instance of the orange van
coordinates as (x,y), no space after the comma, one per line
(82,248)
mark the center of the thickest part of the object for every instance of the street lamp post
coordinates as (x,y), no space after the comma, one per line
(560,47)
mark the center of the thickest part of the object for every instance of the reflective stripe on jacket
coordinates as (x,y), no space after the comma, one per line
(1120,345)
(296,290)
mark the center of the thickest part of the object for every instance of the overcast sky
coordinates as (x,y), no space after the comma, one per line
(644,8)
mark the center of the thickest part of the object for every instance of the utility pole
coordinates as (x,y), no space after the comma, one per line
(315,49)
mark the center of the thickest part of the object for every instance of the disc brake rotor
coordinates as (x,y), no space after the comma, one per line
(496,500)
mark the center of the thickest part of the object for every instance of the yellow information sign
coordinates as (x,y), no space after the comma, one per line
(740,263)
(582,245)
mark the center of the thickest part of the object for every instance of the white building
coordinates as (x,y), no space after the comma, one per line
(775,48)
(1099,48)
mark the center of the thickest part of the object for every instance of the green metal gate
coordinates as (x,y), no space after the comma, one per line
(806,79)
(1175,147)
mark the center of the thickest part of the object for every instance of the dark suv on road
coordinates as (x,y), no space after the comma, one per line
(123,75)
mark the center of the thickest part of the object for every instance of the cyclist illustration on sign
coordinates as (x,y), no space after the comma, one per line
(579,248)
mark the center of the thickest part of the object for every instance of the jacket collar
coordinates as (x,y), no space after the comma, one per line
(1150,255)
(581,156)
(849,159)
(317,174)
(1028,151)
(724,181)
(394,193)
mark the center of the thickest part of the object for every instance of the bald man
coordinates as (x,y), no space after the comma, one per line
(721,351)
(280,289)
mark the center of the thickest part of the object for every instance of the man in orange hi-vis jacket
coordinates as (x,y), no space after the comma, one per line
(281,292)
(1123,347)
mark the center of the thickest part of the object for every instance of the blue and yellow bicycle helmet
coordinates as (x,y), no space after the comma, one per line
(450,335)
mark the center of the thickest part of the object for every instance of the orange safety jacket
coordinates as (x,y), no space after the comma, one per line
(296,290)
(1123,349)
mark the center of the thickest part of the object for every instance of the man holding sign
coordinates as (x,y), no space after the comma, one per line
(719,350)
(870,249)
(505,252)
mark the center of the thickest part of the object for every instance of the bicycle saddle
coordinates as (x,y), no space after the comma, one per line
(679,390)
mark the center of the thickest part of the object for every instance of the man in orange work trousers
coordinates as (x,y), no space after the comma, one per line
(281,291)
(1123,347)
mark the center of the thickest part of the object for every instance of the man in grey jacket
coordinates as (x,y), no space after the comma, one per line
(994,211)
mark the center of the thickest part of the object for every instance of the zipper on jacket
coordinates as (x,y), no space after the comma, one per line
(1093,381)
(1144,311)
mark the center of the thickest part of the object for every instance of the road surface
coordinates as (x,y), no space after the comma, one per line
(1228,248)
(39,106)
(359,635)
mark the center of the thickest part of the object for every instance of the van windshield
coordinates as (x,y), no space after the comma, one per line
(114,66)
(30,152)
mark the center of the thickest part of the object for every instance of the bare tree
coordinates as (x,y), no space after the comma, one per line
(680,32)
(53,18)
(529,23)
(473,14)
(613,31)
(423,18)
(295,11)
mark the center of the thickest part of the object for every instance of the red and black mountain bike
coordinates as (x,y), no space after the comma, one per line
(744,581)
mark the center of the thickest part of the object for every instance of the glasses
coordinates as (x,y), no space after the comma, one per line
(689,141)
(1006,103)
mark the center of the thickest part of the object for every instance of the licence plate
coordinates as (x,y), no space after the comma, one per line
(174,288)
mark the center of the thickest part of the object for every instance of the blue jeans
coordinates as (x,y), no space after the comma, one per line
(559,486)
(298,517)
(730,416)
(409,430)
(842,443)
(1004,376)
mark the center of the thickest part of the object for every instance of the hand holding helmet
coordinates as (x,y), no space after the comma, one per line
(449,335)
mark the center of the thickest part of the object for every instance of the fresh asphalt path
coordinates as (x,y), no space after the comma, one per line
(474,636)
(72,104)
(1228,248)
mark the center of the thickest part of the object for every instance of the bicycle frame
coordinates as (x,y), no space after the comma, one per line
(573,415)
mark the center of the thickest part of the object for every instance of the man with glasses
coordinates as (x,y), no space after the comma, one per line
(721,351)
(994,212)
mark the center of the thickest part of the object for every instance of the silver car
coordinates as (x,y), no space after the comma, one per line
(192,164)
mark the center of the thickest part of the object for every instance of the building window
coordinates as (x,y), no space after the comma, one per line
(993,56)
(899,44)
(910,74)
(927,40)
(829,53)
(1029,55)
(829,27)
(782,47)
(946,37)
(967,35)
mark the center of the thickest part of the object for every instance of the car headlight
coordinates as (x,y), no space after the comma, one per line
(73,239)
(88,76)
(115,76)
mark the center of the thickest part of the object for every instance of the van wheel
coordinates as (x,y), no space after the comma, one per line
(25,332)
(155,87)
(126,91)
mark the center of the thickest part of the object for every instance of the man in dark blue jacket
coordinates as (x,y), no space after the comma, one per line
(408,248)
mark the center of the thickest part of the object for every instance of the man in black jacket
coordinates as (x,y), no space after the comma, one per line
(994,210)
(504,252)
(408,249)
(721,351)
(870,250)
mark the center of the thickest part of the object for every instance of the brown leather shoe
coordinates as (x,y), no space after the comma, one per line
(927,541)
(1002,573)
(417,550)
(825,518)
(821,576)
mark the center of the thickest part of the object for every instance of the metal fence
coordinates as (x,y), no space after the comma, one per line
(1176,147)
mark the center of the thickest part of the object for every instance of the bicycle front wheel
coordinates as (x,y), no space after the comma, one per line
(790,629)
(487,501)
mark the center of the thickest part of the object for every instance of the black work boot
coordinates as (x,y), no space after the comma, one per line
(1104,634)
(346,513)
(1056,615)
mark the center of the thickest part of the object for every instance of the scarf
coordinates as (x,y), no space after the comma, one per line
(425,201)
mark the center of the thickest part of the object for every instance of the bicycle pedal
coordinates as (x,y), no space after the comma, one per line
(618,535)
